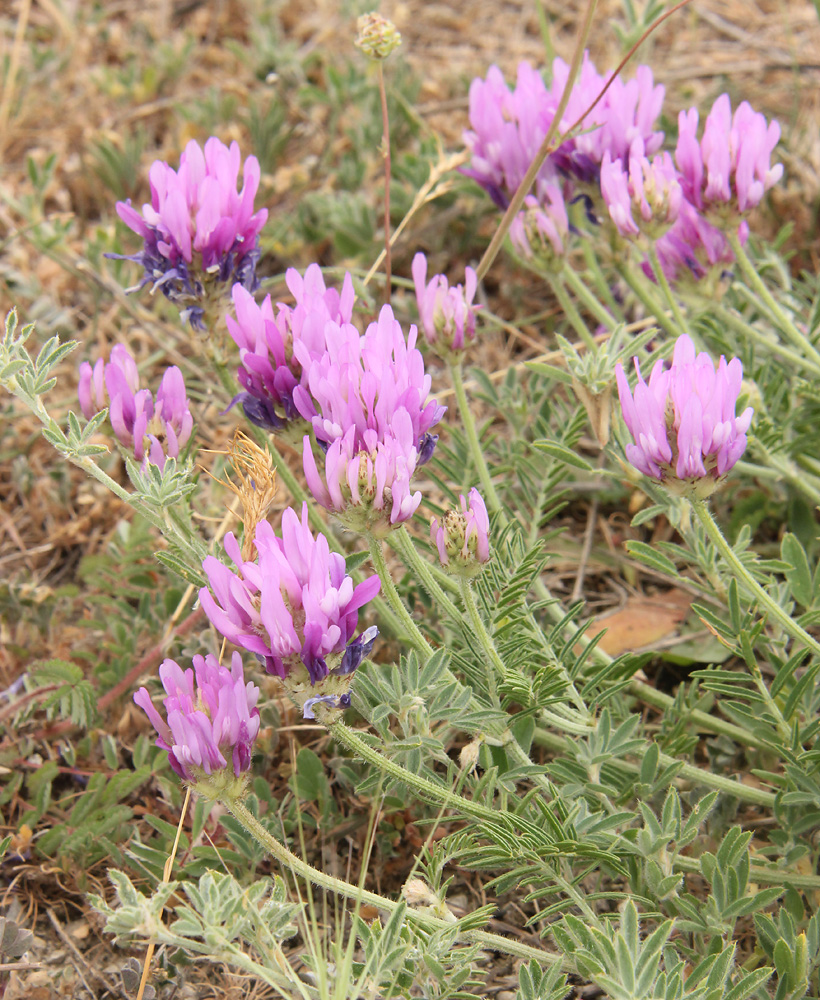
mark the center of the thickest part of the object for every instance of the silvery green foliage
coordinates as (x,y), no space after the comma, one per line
(795,955)
(535,983)
(166,493)
(400,958)
(219,919)
(161,488)
(628,966)
(17,370)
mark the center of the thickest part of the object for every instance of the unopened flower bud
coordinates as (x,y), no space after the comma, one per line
(462,537)
(376,37)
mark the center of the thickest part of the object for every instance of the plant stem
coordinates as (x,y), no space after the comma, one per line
(472,438)
(663,282)
(402,541)
(386,155)
(428,790)
(601,284)
(493,664)
(751,586)
(646,692)
(578,286)
(759,874)
(736,321)
(569,309)
(649,302)
(786,324)
(359,895)
(688,772)
(394,599)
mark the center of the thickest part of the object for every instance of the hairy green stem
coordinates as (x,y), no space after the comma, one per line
(688,772)
(736,322)
(403,543)
(753,589)
(388,268)
(393,598)
(786,324)
(569,309)
(359,895)
(660,276)
(601,283)
(580,290)
(649,302)
(428,790)
(493,666)
(472,438)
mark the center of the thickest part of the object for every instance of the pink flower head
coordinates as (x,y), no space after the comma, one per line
(198,228)
(152,430)
(294,607)
(693,247)
(647,190)
(366,382)
(211,717)
(541,231)
(463,537)
(368,401)
(447,315)
(508,127)
(276,351)
(683,420)
(366,481)
(730,170)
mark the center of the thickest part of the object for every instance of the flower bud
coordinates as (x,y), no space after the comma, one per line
(377,37)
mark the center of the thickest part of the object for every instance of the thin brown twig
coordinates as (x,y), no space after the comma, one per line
(83,961)
(166,875)
(13,707)
(388,258)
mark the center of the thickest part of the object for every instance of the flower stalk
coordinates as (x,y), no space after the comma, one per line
(359,895)
(467,419)
(393,597)
(752,588)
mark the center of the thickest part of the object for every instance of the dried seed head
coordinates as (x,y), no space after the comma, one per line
(256,488)
(376,36)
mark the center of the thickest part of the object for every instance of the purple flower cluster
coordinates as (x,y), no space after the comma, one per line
(447,315)
(463,537)
(542,229)
(198,230)
(731,165)
(367,399)
(294,607)
(277,350)
(687,206)
(153,430)
(211,717)
(683,420)
(649,189)
(508,127)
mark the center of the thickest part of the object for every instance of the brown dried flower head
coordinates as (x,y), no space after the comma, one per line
(256,488)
